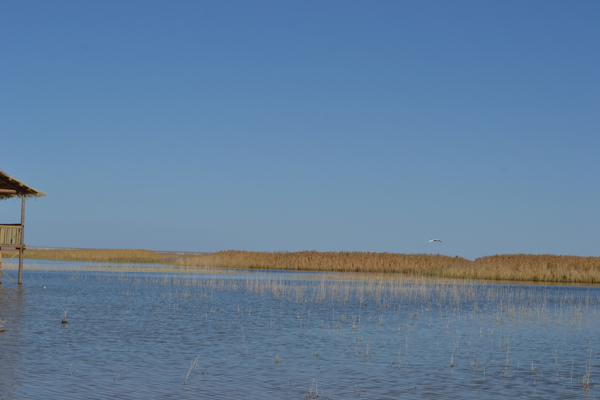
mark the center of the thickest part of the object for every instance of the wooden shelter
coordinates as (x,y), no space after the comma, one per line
(12,236)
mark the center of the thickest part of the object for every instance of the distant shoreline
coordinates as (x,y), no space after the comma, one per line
(506,267)
(42,248)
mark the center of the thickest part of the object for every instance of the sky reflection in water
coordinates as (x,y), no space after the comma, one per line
(136,335)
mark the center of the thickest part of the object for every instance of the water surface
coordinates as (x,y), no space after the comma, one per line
(274,335)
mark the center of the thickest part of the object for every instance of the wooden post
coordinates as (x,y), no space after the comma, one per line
(0,266)
(22,248)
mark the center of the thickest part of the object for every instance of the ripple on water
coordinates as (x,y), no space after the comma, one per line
(136,335)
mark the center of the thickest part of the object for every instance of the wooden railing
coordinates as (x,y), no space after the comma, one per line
(10,234)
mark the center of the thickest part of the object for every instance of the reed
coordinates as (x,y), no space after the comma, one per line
(97,255)
(327,261)
(506,267)
(194,365)
(536,268)
(511,267)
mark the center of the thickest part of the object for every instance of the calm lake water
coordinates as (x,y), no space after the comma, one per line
(280,335)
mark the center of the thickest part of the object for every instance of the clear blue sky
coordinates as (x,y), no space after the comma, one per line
(305,125)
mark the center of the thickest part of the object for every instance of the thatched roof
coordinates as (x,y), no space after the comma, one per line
(10,187)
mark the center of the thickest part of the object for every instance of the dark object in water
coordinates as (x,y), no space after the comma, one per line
(64,320)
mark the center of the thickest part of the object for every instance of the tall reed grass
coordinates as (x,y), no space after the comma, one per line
(329,261)
(97,255)
(507,267)
(531,267)
(511,267)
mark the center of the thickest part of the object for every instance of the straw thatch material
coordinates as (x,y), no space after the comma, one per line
(21,189)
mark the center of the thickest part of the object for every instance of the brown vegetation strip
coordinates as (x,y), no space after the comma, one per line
(512,267)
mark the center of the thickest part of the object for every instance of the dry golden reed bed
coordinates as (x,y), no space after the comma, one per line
(98,255)
(511,267)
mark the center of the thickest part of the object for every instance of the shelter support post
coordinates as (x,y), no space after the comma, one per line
(22,248)
(0,266)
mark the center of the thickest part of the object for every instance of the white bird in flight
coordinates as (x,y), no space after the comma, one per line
(435,240)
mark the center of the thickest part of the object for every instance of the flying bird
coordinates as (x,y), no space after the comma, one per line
(435,240)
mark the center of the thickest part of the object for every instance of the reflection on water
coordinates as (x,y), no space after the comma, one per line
(140,335)
(11,319)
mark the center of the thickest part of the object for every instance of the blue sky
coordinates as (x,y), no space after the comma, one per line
(332,126)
